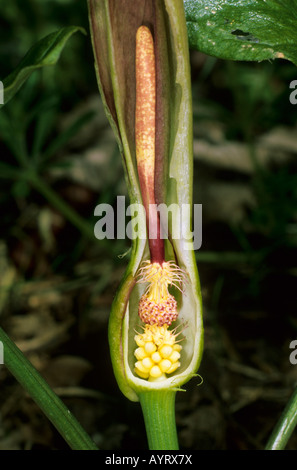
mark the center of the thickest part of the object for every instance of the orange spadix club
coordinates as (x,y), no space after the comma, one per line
(145,134)
(157,353)
(145,114)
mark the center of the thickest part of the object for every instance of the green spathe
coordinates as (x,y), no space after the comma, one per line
(113,34)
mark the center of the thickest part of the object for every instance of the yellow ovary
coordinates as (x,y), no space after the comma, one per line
(157,354)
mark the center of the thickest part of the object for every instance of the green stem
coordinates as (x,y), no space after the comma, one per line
(158,408)
(43,395)
(53,198)
(285,426)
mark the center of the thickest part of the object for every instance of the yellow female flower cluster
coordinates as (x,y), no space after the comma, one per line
(158,353)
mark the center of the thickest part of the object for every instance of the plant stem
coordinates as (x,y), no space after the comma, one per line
(158,409)
(285,426)
(45,398)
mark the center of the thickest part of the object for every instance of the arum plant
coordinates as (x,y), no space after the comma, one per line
(155,328)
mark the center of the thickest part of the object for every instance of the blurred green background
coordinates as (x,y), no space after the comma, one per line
(57,284)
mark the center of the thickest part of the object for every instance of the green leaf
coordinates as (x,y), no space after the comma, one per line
(243,29)
(45,52)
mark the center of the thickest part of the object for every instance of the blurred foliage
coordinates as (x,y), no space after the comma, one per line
(249,100)
(23,23)
(31,126)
